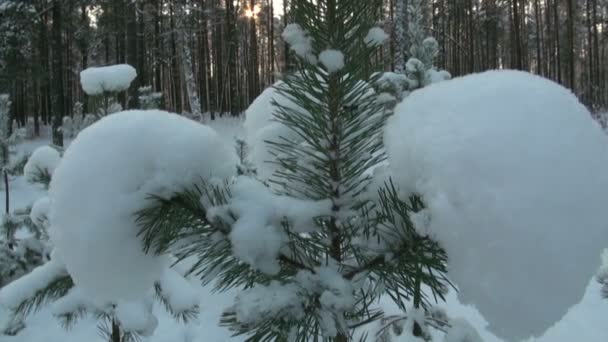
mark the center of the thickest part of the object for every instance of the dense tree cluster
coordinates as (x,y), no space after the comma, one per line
(216,56)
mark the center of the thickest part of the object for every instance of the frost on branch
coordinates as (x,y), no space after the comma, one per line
(106,191)
(508,163)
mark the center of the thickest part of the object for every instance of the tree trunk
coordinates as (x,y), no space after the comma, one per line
(185,54)
(115,335)
(58,92)
(518,59)
(557,40)
(401,35)
(131,17)
(571,46)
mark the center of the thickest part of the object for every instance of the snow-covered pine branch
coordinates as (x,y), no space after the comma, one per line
(304,240)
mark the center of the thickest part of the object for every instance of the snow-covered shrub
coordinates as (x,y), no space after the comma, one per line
(18,256)
(149,99)
(120,320)
(41,165)
(16,165)
(510,166)
(392,87)
(170,152)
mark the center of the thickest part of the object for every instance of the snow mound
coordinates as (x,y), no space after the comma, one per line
(513,170)
(107,174)
(260,127)
(41,163)
(111,78)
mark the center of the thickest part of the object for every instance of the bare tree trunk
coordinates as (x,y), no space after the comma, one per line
(115,335)
(571,45)
(58,91)
(557,40)
(518,59)
(185,54)
(401,35)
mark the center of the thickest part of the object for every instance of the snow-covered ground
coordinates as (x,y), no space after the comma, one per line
(584,322)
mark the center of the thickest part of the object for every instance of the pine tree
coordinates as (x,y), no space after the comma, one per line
(316,245)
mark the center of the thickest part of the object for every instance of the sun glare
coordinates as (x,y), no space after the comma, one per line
(250,13)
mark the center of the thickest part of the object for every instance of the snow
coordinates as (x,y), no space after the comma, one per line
(260,127)
(300,42)
(274,300)
(332,60)
(75,300)
(40,212)
(107,174)
(23,288)
(260,213)
(136,316)
(111,78)
(508,164)
(44,160)
(584,322)
(434,76)
(178,292)
(375,36)
(460,330)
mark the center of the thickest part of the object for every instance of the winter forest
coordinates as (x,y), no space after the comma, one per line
(303,170)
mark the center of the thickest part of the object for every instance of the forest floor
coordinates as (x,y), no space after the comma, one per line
(585,322)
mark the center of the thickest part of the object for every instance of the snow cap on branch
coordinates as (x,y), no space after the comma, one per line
(108,174)
(300,42)
(111,78)
(512,168)
(332,60)
(376,36)
(41,164)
